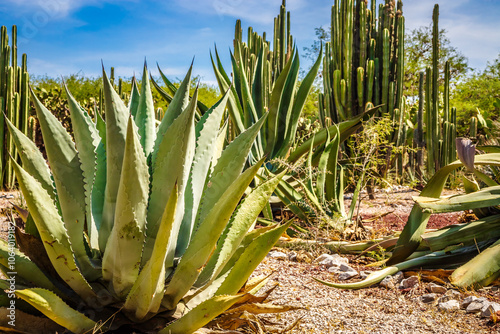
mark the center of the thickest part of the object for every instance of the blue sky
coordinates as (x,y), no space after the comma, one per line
(63,37)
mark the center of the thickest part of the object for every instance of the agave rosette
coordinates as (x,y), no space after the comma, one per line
(138,220)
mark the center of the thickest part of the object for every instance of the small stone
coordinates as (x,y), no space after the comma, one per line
(450,305)
(474,307)
(331,260)
(305,257)
(436,288)
(428,298)
(467,300)
(409,282)
(387,282)
(334,269)
(345,268)
(347,275)
(278,255)
(292,256)
(398,277)
(454,294)
(364,274)
(489,309)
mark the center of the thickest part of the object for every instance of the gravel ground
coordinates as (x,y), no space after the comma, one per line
(372,310)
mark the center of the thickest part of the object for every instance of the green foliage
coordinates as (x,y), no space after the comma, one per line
(418,55)
(478,91)
(127,215)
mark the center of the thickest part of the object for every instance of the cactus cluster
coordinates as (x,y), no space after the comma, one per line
(14,102)
(363,64)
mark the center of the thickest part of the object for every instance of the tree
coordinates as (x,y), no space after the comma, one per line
(478,91)
(418,55)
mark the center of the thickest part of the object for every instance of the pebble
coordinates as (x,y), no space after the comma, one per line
(364,274)
(398,277)
(450,305)
(436,288)
(328,260)
(428,298)
(292,256)
(408,283)
(474,306)
(387,282)
(278,255)
(467,301)
(489,308)
(347,275)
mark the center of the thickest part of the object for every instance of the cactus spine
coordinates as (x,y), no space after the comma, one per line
(14,97)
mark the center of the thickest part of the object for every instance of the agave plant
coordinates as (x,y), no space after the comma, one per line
(473,247)
(136,221)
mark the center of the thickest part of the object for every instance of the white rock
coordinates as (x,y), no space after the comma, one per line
(398,277)
(345,268)
(347,275)
(450,305)
(435,288)
(331,260)
(278,255)
(489,308)
(474,307)
(409,282)
(387,282)
(467,300)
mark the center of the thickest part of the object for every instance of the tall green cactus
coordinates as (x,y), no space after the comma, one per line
(440,127)
(14,101)
(363,61)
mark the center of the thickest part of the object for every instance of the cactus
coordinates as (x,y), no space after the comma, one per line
(440,131)
(14,95)
(358,46)
(118,213)
(266,81)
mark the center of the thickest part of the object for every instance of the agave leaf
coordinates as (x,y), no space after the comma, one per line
(135,97)
(234,107)
(443,257)
(322,169)
(298,104)
(228,167)
(117,115)
(201,315)
(68,177)
(52,232)
(410,237)
(24,267)
(205,238)
(274,107)
(467,234)
(99,190)
(253,254)
(206,141)
(346,128)
(173,161)
(485,197)
(145,117)
(147,293)
(86,139)
(56,309)
(249,112)
(122,258)
(33,161)
(283,125)
(292,199)
(175,108)
(236,229)
(331,181)
(480,271)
